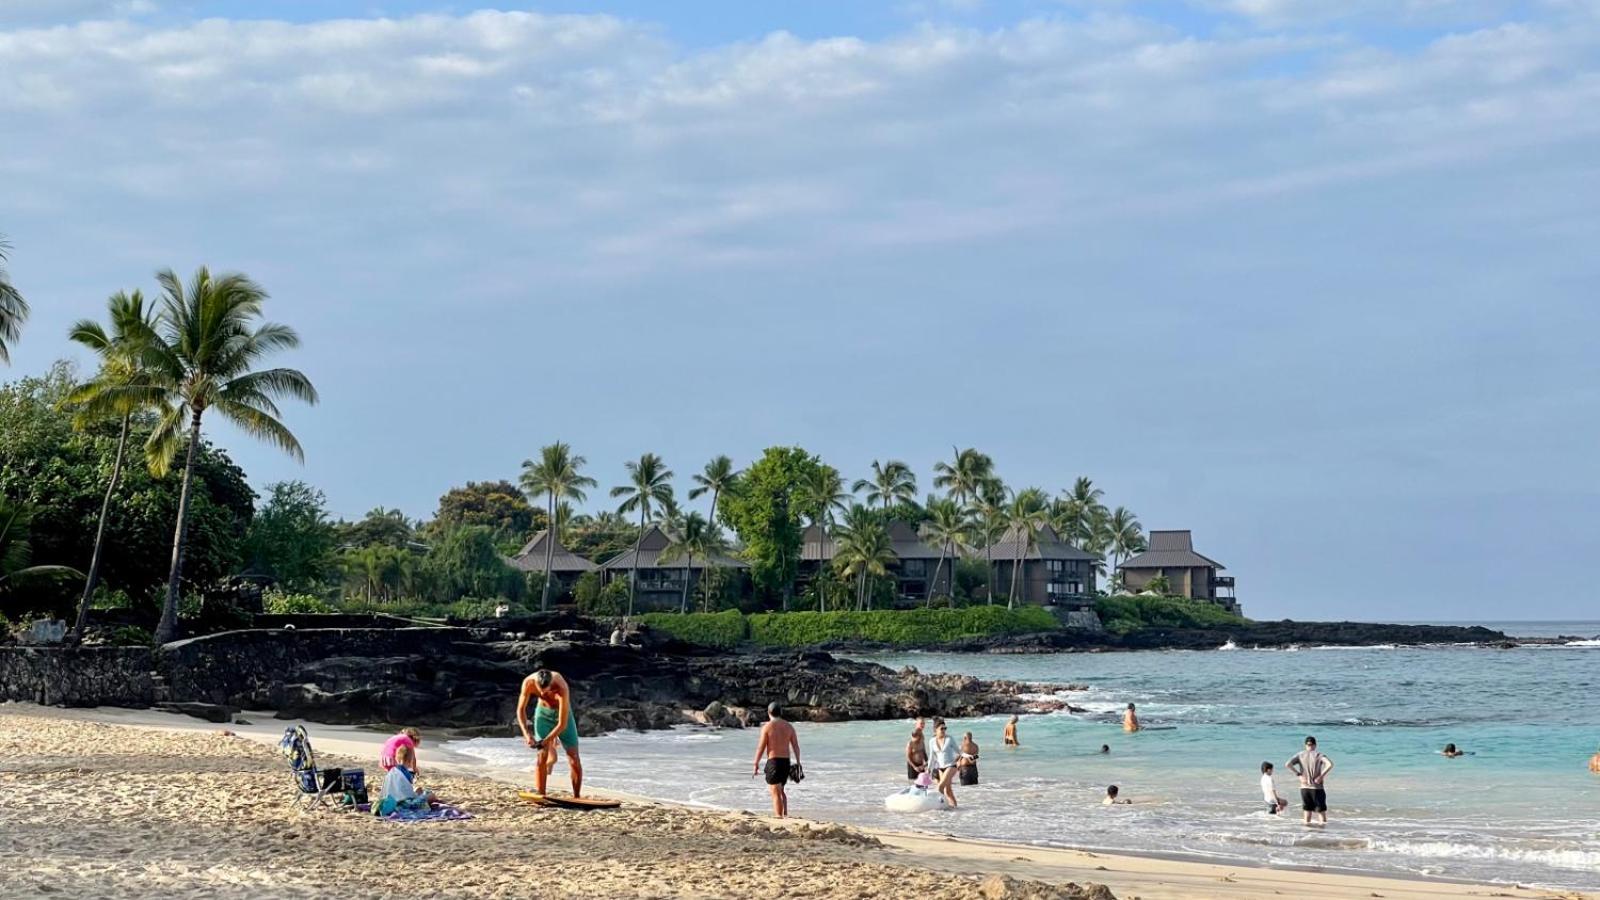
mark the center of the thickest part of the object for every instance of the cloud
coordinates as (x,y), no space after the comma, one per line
(36,12)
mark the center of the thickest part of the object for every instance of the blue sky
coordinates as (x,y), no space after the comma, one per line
(1320,288)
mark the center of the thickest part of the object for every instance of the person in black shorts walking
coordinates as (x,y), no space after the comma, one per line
(1312,768)
(779,744)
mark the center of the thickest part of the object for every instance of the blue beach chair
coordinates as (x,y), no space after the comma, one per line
(314,785)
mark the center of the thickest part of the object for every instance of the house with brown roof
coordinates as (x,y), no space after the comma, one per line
(913,569)
(660,583)
(565,566)
(1054,573)
(1188,574)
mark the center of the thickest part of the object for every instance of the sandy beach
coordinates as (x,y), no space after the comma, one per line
(140,804)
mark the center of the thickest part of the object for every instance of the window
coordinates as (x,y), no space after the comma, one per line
(1055,566)
(915,568)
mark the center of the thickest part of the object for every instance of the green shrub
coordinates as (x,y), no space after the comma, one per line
(611,600)
(131,636)
(110,598)
(724,629)
(586,591)
(472,608)
(281,604)
(1124,613)
(912,627)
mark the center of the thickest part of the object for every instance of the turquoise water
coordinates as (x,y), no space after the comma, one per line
(1522,809)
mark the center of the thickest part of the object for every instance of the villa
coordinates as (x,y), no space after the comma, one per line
(565,566)
(912,571)
(1188,573)
(1054,573)
(660,584)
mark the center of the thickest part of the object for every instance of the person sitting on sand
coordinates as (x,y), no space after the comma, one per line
(1112,799)
(1130,720)
(405,737)
(967,761)
(1010,736)
(554,720)
(942,756)
(1312,767)
(1269,791)
(1451,752)
(776,742)
(400,789)
(916,753)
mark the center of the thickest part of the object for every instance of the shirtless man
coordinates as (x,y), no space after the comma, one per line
(1010,736)
(1594,763)
(1130,720)
(916,753)
(776,742)
(553,720)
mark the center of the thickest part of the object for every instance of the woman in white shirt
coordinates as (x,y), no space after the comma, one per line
(942,754)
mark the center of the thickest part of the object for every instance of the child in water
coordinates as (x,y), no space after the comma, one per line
(1269,791)
(1111,797)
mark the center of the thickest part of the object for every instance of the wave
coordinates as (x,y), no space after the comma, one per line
(1592,642)
(1230,645)
(1557,857)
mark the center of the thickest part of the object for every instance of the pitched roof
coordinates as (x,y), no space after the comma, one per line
(650,547)
(816,546)
(531,557)
(1047,545)
(1170,550)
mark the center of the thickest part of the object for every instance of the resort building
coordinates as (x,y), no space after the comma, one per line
(660,584)
(1188,574)
(565,566)
(912,570)
(1054,573)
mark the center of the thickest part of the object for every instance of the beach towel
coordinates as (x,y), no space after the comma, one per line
(442,812)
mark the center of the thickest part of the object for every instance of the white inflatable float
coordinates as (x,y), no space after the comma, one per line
(914,799)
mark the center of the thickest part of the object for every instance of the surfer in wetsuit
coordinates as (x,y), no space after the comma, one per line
(553,720)
(776,741)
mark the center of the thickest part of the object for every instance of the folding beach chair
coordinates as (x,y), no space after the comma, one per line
(313,785)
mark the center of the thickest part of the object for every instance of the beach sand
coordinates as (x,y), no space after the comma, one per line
(162,806)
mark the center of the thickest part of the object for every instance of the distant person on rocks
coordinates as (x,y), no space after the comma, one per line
(1112,799)
(405,737)
(1313,769)
(617,637)
(776,742)
(1010,736)
(967,761)
(1130,720)
(942,755)
(554,720)
(1269,791)
(916,753)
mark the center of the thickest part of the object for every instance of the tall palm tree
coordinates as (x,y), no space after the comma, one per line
(120,349)
(964,474)
(989,520)
(820,496)
(865,550)
(692,536)
(715,478)
(13,309)
(558,475)
(1028,512)
(649,488)
(892,482)
(946,526)
(1124,536)
(1074,514)
(202,356)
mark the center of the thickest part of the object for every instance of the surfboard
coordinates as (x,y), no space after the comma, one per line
(566,801)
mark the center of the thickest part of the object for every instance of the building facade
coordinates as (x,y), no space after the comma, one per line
(660,583)
(565,566)
(916,570)
(1052,573)
(1188,574)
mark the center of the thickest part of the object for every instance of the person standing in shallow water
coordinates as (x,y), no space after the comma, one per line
(967,761)
(776,743)
(1010,737)
(1130,720)
(1313,768)
(942,756)
(916,753)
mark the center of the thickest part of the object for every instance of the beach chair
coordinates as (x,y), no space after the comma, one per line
(314,785)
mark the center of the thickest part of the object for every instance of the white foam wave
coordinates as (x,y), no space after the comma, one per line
(1559,857)
(1593,642)
(1230,645)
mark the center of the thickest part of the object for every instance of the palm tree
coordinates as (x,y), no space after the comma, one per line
(1124,536)
(820,496)
(716,477)
(558,476)
(947,527)
(202,356)
(15,550)
(989,521)
(1074,515)
(119,349)
(13,309)
(865,550)
(1029,511)
(692,535)
(963,475)
(649,486)
(891,483)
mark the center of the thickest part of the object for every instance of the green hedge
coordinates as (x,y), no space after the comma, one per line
(1122,614)
(723,629)
(909,628)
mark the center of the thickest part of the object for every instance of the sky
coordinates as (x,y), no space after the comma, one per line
(1316,281)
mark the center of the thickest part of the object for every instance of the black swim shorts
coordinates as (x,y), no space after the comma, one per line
(1314,800)
(967,775)
(911,772)
(776,771)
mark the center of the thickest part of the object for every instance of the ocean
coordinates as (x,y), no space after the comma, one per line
(1523,808)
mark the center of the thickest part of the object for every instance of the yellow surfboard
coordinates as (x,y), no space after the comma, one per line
(567,801)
